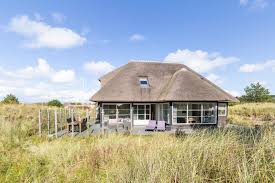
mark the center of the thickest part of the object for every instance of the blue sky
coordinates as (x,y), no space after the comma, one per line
(58,49)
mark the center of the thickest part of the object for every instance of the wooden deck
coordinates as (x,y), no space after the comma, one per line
(95,129)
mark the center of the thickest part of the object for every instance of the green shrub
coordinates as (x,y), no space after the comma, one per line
(55,103)
(10,99)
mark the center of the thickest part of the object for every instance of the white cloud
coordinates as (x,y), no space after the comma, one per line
(270,64)
(58,17)
(137,37)
(200,61)
(46,92)
(40,34)
(5,90)
(41,83)
(234,93)
(214,78)
(41,70)
(98,68)
(254,4)
(63,76)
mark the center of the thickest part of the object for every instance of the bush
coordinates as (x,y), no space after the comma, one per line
(55,103)
(10,99)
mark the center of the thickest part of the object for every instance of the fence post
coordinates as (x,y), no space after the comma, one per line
(72,121)
(55,122)
(65,117)
(48,120)
(87,117)
(60,118)
(39,123)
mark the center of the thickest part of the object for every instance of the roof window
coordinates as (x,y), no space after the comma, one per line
(143,82)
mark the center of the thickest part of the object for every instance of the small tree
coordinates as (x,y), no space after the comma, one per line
(10,99)
(256,93)
(55,103)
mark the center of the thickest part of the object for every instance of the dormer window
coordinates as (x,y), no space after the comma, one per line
(143,82)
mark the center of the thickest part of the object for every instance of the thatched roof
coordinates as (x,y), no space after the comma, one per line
(167,82)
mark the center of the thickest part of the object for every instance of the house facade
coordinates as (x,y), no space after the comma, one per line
(141,91)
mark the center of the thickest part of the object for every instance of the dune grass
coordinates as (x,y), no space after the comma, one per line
(250,114)
(217,155)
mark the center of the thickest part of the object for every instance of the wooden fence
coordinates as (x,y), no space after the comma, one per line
(54,122)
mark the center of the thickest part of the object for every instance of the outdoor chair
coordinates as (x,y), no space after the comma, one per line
(79,126)
(161,126)
(83,124)
(126,124)
(151,125)
(70,123)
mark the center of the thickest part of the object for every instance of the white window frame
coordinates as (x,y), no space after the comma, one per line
(220,105)
(175,122)
(116,104)
(144,104)
(187,111)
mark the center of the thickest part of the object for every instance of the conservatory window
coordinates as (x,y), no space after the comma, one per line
(116,111)
(194,113)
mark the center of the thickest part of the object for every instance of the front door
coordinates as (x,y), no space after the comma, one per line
(141,114)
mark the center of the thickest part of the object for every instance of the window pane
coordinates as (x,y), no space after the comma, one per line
(141,107)
(110,111)
(165,115)
(165,106)
(109,106)
(147,117)
(109,117)
(142,82)
(141,112)
(181,113)
(209,120)
(222,112)
(194,106)
(124,111)
(209,106)
(194,113)
(140,117)
(194,119)
(180,106)
(222,109)
(208,113)
(123,106)
(181,120)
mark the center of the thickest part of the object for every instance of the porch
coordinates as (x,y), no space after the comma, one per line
(175,114)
